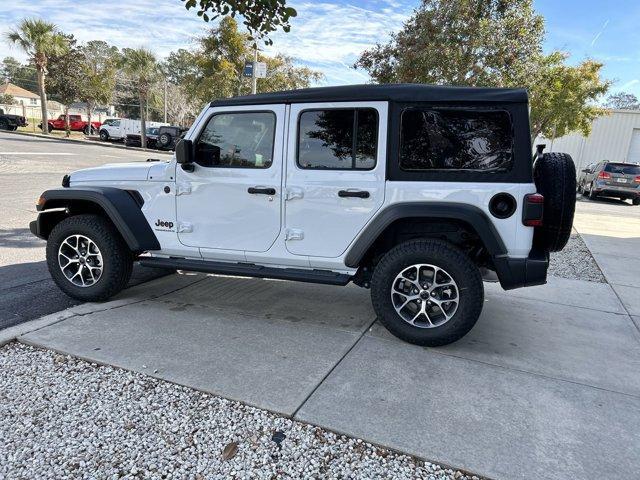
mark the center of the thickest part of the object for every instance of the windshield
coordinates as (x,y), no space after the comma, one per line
(152,131)
(626,168)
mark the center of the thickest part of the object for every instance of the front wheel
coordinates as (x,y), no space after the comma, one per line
(104,135)
(87,258)
(427,292)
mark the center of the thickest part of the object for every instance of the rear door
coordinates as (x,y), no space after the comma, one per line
(335,174)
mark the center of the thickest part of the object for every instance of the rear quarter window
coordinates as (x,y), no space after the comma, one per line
(456,139)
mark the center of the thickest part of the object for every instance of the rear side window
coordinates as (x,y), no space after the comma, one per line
(627,169)
(338,139)
(455,139)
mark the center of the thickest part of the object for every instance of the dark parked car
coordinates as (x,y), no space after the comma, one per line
(168,136)
(11,122)
(135,139)
(611,179)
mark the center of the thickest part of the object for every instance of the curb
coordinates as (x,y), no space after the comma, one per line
(90,142)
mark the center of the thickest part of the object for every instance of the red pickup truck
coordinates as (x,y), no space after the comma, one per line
(76,124)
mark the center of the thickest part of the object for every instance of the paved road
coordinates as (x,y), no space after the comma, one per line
(28,166)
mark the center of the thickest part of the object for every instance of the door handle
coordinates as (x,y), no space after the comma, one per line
(353,193)
(261,191)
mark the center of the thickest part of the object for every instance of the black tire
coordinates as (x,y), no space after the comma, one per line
(636,201)
(164,140)
(104,135)
(456,264)
(555,178)
(4,124)
(592,195)
(88,130)
(117,261)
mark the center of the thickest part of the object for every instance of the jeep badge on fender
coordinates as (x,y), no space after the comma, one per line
(164,224)
(380,185)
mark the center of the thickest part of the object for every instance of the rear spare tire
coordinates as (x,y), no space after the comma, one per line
(164,139)
(555,178)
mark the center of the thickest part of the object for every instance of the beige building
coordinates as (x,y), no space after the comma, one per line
(615,137)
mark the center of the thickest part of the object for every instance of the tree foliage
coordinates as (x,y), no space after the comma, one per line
(7,99)
(40,40)
(11,70)
(142,70)
(214,69)
(623,101)
(494,43)
(99,65)
(260,17)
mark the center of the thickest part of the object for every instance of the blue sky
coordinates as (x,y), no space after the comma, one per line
(329,35)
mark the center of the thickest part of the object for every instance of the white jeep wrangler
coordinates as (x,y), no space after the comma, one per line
(414,191)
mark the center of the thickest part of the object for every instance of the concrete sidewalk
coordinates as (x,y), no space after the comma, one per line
(614,241)
(545,386)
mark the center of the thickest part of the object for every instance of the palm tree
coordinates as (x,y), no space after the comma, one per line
(141,66)
(40,40)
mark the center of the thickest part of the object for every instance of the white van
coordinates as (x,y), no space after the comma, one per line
(119,128)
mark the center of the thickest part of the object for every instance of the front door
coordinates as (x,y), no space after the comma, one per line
(335,174)
(232,198)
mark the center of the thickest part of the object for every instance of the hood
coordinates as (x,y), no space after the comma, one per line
(137,171)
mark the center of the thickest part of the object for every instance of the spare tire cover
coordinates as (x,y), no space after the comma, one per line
(555,177)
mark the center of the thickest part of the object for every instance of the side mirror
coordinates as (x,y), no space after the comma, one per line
(184,152)
(586,170)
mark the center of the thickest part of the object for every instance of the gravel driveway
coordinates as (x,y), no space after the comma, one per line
(61,417)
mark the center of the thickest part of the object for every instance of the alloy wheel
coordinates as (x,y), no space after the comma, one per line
(425,295)
(80,260)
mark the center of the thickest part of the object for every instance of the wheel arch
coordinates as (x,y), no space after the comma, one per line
(121,207)
(449,213)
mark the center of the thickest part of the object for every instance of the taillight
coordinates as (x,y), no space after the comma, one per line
(604,175)
(532,210)
(638,179)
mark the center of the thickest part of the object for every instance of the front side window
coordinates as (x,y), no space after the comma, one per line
(455,139)
(338,139)
(239,139)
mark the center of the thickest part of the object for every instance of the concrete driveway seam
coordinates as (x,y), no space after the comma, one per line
(313,390)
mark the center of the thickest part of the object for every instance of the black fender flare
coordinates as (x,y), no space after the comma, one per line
(120,206)
(447,210)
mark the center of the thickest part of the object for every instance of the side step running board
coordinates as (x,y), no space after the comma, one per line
(248,270)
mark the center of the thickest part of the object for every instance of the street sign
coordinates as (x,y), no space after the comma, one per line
(248,69)
(261,69)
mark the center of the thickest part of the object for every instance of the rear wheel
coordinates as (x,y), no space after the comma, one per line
(87,258)
(4,124)
(592,195)
(427,292)
(636,201)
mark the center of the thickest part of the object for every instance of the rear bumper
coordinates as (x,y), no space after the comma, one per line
(617,192)
(522,272)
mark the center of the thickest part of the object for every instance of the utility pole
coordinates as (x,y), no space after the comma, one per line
(165,100)
(254,79)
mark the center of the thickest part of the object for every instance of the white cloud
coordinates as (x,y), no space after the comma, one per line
(325,36)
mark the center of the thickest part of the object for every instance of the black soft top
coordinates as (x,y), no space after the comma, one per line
(402,92)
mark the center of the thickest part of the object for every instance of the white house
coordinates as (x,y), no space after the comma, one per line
(614,137)
(22,96)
